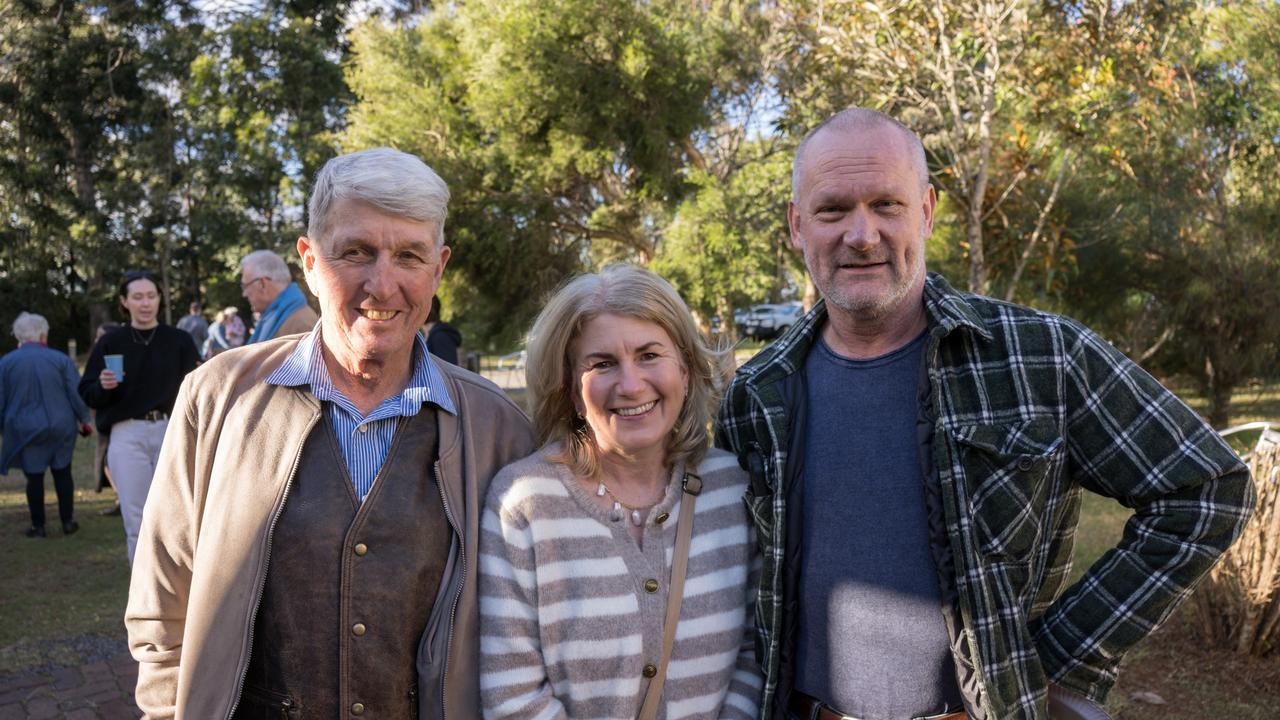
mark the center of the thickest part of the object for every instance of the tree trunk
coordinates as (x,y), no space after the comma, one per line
(977,258)
(728,329)
(1218,389)
(810,293)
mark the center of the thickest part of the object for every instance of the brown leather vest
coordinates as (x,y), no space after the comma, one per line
(349,586)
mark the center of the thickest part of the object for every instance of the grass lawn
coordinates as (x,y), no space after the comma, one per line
(63,598)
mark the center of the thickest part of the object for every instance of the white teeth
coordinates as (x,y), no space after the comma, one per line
(378,314)
(628,412)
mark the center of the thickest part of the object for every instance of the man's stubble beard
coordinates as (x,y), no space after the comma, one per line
(870,309)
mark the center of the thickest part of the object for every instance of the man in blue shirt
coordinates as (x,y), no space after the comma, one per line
(310,545)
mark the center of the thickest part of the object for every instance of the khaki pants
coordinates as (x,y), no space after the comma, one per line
(132,457)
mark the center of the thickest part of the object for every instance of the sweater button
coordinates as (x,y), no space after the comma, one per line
(357,709)
(361,549)
(649,670)
(358,628)
(662,517)
(651,585)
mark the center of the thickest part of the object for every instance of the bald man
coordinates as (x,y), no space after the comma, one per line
(917,456)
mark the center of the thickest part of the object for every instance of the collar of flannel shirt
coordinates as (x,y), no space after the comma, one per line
(948,310)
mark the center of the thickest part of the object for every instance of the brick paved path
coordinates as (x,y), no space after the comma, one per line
(98,691)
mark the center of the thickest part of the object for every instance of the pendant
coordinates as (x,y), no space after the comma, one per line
(616,515)
(601,490)
(635,518)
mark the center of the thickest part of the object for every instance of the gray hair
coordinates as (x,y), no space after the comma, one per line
(394,182)
(856,119)
(30,327)
(264,263)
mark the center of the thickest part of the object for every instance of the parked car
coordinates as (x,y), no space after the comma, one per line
(739,317)
(769,321)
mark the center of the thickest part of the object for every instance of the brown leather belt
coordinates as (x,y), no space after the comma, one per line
(805,707)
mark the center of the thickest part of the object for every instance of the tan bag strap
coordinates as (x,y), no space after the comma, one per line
(692,485)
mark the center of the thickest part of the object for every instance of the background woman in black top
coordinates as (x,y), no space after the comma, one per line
(134,407)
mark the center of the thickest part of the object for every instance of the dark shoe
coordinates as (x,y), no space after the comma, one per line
(70,528)
(113,510)
(35,532)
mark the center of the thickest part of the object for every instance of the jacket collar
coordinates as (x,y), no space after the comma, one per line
(948,310)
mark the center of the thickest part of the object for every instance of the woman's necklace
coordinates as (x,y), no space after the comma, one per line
(138,338)
(618,506)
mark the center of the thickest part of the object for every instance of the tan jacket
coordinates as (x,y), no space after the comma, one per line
(301,320)
(229,456)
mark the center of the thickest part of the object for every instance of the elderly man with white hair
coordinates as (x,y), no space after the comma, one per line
(310,545)
(41,412)
(265,281)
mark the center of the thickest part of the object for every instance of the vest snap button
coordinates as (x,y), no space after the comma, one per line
(361,548)
(662,517)
(649,670)
(357,709)
(358,628)
(651,585)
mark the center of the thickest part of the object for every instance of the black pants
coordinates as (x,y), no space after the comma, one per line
(62,485)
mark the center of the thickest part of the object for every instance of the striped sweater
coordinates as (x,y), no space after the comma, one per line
(567,624)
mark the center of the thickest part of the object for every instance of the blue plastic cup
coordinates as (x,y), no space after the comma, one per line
(115,363)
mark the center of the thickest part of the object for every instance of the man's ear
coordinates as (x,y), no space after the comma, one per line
(307,254)
(793,224)
(930,204)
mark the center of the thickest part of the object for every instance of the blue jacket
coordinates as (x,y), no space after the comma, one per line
(40,408)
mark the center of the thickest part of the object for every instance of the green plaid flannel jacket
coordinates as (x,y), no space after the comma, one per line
(1030,408)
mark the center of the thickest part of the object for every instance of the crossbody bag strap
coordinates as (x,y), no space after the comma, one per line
(692,485)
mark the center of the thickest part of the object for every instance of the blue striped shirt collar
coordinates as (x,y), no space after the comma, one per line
(305,366)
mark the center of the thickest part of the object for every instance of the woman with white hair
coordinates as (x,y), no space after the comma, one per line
(614,560)
(41,412)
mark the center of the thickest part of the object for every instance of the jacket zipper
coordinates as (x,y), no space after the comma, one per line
(453,609)
(266,562)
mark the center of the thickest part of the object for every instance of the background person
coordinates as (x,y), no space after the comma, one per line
(194,324)
(233,327)
(579,537)
(268,286)
(41,413)
(443,339)
(103,439)
(321,493)
(917,458)
(135,408)
(217,341)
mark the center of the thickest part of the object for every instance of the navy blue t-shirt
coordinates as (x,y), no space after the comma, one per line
(872,639)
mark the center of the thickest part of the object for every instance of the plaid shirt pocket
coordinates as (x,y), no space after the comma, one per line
(1008,472)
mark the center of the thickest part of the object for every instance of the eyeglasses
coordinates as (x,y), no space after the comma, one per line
(244,286)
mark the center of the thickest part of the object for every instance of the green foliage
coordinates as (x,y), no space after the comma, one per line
(1184,268)
(570,132)
(146,134)
(722,248)
(1115,161)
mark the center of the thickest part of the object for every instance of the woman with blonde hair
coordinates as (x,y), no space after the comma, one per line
(614,560)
